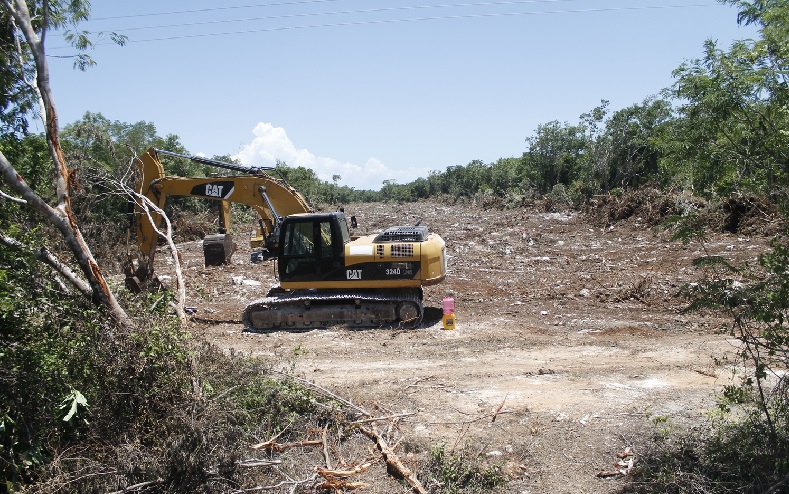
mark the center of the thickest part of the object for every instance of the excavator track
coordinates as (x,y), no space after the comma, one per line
(305,309)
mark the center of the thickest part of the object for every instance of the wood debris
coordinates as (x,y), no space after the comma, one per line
(336,480)
(393,461)
(498,410)
(623,466)
(274,446)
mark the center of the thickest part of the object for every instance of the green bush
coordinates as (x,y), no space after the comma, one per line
(454,473)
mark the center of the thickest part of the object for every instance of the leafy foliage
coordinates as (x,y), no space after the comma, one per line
(733,108)
(454,473)
(727,457)
(44,349)
(757,298)
(17,100)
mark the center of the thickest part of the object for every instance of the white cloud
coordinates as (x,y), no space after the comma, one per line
(272,143)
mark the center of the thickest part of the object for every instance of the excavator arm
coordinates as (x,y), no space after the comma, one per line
(272,198)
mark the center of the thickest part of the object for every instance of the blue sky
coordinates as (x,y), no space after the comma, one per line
(375,90)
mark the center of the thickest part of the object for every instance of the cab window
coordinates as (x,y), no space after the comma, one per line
(298,240)
(307,252)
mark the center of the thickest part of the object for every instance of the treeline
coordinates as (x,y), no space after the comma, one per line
(719,129)
(711,148)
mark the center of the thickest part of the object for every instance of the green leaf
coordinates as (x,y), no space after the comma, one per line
(73,402)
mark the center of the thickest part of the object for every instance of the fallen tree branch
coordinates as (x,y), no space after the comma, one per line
(387,417)
(470,421)
(293,483)
(137,487)
(336,479)
(327,473)
(271,445)
(12,198)
(338,485)
(393,461)
(498,410)
(44,255)
(257,462)
(146,205)
(326,456)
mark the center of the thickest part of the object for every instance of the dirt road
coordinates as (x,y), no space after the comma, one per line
(569,347)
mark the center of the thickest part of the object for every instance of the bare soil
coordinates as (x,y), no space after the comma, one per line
(570,343)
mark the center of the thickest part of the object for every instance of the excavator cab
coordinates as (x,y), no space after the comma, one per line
(312,246)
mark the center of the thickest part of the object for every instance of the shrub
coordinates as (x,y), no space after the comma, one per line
(452,473)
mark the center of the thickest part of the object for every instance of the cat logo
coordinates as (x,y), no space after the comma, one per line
(217,189)
(353,274)
(212,190)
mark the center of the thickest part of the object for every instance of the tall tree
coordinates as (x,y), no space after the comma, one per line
(632,133)
(733,104)
(554,154)
(30,37)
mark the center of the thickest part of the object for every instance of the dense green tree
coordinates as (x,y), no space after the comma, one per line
(594,158)
(506,177)
(731,134)
(631,134)
(97,142)
(31,157)
(17,99)
(554,154)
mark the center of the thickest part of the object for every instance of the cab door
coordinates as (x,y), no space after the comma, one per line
(310,251)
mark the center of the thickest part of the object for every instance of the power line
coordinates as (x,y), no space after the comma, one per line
(397,21)
(213,9)
(338,12)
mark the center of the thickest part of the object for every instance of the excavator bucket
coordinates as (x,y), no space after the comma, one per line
(217,249)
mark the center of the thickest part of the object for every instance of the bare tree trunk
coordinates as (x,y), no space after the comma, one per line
(147,205)
(61,215)
(30,83)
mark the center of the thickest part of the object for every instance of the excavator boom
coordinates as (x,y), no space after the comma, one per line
(272,198)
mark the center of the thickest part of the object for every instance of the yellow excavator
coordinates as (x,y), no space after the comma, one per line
(326,275)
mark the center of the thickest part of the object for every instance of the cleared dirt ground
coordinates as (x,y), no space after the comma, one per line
(570,344)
